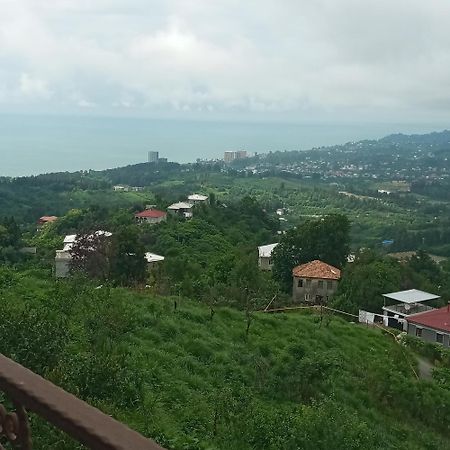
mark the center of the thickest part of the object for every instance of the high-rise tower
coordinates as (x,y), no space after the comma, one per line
(153,157)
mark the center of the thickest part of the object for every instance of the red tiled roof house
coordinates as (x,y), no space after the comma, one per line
(150,216)
(315,282)
(431,326)
(46,219)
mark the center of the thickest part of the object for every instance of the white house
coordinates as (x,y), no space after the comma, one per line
(409,302)
(265,256)
(153,260)
(197,198)
(64,256)
(183,209)
(121,188)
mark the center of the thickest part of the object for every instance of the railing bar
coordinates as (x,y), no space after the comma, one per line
(83,422)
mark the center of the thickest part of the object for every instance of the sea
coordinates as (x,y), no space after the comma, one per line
(34,144)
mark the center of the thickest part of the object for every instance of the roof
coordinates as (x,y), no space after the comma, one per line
(153,257)
(317,269)
(411,296)
(438,319)
(70,239)
(101,233)
(151,213)
(47,218)
(265,251)
(198,197)
(180,205)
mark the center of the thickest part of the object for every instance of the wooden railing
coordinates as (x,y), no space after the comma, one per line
(30,392)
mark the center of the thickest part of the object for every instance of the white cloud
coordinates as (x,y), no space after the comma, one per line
(301,57)
(33,87)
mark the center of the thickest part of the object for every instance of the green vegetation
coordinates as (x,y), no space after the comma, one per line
(325,239)
(182,353)
(372,275)
(191,382)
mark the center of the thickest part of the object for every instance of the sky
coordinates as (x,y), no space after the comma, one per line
(318,60)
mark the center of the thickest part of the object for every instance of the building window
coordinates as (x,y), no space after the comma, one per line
(270,262)
(320,284)
(307,297)
(329,285)
(419,332)
(439,338)
(308,283)
(300,283)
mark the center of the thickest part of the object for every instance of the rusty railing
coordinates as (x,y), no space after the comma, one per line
(86,424)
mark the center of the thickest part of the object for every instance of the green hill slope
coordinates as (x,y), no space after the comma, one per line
(195,383)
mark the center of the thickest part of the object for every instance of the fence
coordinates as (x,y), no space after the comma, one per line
(86,424)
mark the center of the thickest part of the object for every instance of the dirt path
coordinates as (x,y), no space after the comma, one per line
(425,368)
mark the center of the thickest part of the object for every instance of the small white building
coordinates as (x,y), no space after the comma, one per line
(62,263)
(265,256)
(64,256)
(153,260)
(121,188)
(410,302)
(197,198)
(182,209)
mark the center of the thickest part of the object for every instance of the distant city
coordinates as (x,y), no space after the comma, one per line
(228,156)
(153,157)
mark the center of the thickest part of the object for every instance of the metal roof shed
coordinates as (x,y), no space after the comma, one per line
(410,302)
(411,296)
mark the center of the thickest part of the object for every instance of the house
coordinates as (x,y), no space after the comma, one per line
(315,281)
(150,216)
(265,256)
(182,209)
(62,263)
(409,302)
(153,260)
(431,326)
(46,219)
(121,188)
(64,256)
(197,198)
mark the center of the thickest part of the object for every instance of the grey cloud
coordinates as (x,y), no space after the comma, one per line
(298,57)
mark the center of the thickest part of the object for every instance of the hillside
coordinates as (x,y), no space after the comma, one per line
(195,383)
(435,138)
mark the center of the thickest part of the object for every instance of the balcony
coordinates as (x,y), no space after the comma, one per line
(86,424)
(407,309)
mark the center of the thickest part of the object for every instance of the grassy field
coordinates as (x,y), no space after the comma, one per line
(195,383)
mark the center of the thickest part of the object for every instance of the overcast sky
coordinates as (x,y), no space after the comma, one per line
(318,59)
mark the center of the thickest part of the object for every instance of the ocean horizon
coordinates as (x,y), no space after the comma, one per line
(30,145)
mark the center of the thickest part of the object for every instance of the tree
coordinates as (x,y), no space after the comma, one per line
(128,265)
(92,255)
(364,281)
(117,257)
(326,239)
